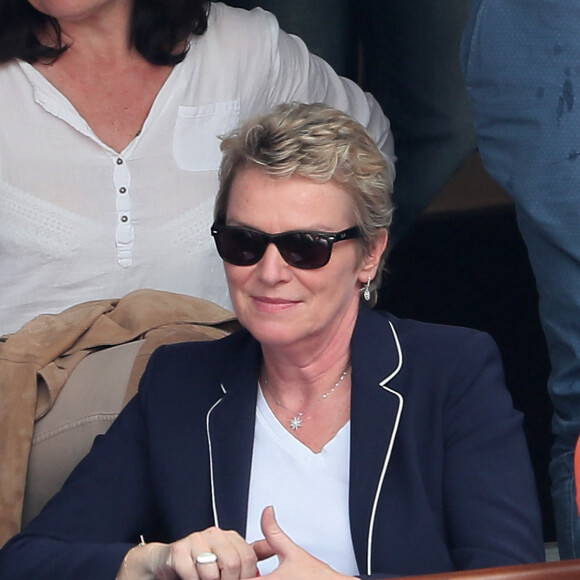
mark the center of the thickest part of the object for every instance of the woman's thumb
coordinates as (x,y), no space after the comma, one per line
(278,541)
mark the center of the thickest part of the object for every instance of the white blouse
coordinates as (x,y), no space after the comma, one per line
(79,221)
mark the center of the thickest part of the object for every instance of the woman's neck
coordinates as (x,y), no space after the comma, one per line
(297,376)
(110,85)
(312,403)
(302,370)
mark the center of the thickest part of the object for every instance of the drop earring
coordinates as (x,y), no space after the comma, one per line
(367,291)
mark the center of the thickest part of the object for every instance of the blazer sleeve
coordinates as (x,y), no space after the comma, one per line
(491,505)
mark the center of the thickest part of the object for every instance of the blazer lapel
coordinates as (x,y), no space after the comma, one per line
(230,428)
(375,415)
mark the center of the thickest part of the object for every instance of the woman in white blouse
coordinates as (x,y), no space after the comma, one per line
(110,113)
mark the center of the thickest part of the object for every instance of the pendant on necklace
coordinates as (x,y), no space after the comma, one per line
(296,422)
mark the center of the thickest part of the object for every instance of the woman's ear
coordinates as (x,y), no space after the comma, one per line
(372,258)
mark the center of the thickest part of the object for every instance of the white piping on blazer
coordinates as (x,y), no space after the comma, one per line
(212,484)
(383,384)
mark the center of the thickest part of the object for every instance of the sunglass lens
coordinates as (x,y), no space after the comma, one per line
(240,247)
(303,250)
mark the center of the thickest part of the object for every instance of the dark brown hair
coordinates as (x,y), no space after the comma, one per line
(158,30)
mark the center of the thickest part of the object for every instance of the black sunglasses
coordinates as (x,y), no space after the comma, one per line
(306,250)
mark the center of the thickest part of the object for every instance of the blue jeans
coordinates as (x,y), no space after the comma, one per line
(411,66)
(522,65)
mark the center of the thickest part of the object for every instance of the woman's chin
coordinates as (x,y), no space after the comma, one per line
(277,334)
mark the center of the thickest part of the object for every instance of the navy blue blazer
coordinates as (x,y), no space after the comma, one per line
(440,476)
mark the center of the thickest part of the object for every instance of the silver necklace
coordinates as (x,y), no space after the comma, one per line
(297,420)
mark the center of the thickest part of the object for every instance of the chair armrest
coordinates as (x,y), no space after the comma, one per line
(563,570)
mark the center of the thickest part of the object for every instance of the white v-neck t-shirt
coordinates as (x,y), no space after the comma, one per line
(309,491)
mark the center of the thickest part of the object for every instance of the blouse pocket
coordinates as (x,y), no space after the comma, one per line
(196,143)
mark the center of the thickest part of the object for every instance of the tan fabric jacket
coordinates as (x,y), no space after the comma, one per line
(36,361)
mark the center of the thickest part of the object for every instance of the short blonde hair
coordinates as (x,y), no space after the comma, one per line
(319,143)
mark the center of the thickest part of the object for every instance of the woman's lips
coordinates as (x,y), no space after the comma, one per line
(273,303)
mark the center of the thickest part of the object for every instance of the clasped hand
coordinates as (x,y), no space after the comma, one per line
(236,559)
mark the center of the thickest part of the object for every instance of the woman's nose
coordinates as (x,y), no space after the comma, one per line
(272,268)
